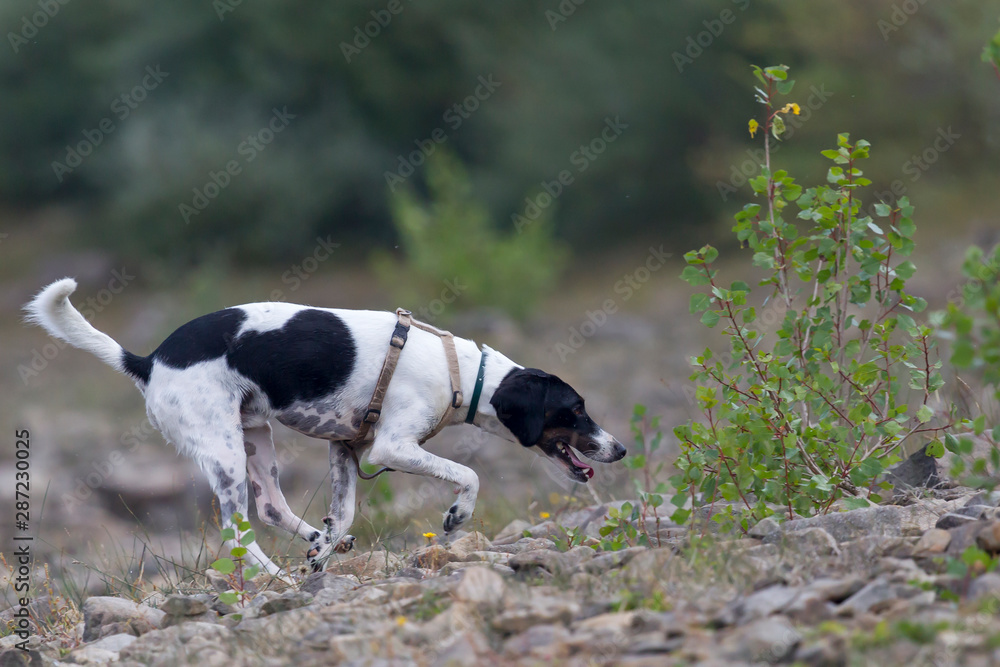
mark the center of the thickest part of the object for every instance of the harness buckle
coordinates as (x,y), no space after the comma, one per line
(456,399)
(373,416)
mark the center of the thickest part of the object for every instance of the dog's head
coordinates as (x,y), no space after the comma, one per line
(541,410)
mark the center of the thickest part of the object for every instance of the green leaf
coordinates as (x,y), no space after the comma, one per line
(856,503)
(224,566)
(252,571)
(710,318)
(924,415)
(230,597)
(247,538)
(238,552)
(228,534)
(906,270)
(935,449)
(699,302)
(694,276)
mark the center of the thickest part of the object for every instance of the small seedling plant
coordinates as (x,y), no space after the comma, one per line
(231,567)
(800,414)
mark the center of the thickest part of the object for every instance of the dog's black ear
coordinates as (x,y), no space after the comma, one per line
(519,402)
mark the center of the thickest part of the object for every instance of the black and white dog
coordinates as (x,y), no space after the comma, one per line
(213,385)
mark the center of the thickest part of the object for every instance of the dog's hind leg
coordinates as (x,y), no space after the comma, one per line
(343,485)
(262,468)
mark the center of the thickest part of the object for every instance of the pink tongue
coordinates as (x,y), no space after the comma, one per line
(580,464)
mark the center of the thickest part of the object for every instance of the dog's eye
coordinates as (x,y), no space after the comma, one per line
(578,411)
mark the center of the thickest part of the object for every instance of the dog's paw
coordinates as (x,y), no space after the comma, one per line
(345,544)
(453,519)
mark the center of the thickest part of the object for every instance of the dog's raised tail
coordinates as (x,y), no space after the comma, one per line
(52,311)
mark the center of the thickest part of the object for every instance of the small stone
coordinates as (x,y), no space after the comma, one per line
(809,542)
(525,544)
(988,538)
(763,528)
(182,605)
(954,520)
(536,640)
(611,561)
(497,557)
(875,597)
(327,581)
(366,565)
(934,541)
(286,602)
(537,612)
(988,498)
(764,641)
(100,610)
(985,586)
(825,651)
(469,543)
(480,585)
(433,557)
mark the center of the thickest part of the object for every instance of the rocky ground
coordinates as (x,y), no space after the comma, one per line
(885,585)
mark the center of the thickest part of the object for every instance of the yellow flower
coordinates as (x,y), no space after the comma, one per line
(400,621)
(544,515)
(430,536)
(791,106)
(753,126)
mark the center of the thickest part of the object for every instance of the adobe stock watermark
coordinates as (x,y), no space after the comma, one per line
(249,149)
(581,159)
(625,289)
(40,358)
(309,265)
(918,165)
(697,44)
(741,173)
(562,12)
(122,107)
(30,25)
(223,7)
(456,114)
(363,35)
(449,293)
(898,17)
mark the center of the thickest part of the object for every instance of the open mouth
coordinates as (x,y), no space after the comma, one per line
(577,468)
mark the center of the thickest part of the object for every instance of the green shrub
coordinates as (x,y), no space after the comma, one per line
(816,409)
(450,243)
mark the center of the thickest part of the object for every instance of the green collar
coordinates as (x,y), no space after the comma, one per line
(477,392)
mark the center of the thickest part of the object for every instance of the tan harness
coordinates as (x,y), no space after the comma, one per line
(396,343)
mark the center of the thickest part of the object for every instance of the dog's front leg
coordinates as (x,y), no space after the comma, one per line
(343,485)
(405,455)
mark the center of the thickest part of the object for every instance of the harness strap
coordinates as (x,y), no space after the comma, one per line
(396,343)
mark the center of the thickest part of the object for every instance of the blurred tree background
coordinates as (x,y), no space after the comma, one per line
(518,91)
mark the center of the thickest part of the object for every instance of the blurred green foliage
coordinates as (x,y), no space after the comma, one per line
(672,71)
(452,247)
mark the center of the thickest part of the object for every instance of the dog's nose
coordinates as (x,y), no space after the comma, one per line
(619,450)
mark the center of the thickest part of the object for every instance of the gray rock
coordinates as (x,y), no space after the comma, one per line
(538,611)
(934,541)
(534,638)
(825,651)
(919,471)
(480,586)
(988,537)
(766,640)
(554,562)
(883,520)
(525,544)
(114,642)
(336,585)
(610,561)
(808,542)
(757,605)
(985,586)
(182,605)
(763,528)
(954,520)
(468,544)
(988,498)
(874,597)
(287,602)
(100,611)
